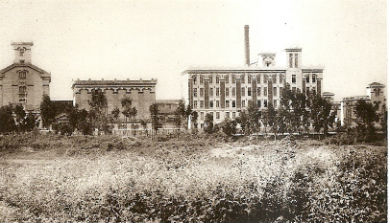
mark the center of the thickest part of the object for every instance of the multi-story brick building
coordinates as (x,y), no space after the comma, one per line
(224,92)
(140,92)
(22,82)
(374,94)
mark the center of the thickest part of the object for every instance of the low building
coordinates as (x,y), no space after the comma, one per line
(375,95)
(167,115)
(140,92)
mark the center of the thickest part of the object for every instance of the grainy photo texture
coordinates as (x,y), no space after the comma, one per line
(193,111)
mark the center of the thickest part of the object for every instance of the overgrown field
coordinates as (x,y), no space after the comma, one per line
(187,179)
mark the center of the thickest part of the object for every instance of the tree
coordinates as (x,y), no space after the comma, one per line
(154,116)
(365,117)
(285,110)
(229,126)
(194,119)
(6,120)
(384,119)
(243,120)
(180,114)
(48,111)
(144,124)
(271,119)
(98,112)
(115,113)
(254,116)
(20,117)
(208,123)
(320,114)
(30,122)
(128,110)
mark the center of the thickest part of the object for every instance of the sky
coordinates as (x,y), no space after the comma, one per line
(159,39)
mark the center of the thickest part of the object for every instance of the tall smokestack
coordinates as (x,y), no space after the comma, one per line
(247,52)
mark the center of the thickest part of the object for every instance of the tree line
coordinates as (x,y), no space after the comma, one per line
(297,113)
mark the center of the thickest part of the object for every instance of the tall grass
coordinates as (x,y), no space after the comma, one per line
(111,179)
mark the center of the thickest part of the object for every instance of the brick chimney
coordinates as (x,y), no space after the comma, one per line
(247,52)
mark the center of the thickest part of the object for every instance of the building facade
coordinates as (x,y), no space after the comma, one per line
(22,82)
(140,92)
(225,92)
(374,94)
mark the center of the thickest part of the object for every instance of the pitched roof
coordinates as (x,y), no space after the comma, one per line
(39,70)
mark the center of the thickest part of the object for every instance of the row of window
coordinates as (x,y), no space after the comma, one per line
(233,91)
(218,116)
(232,104)
(313,78)
(216,79)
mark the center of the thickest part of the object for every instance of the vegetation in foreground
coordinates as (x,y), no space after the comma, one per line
(208,179)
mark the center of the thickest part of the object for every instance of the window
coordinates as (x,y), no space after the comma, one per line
(313,78)
(249,78)
(265,91)
(308,78)
(234,92)
(314,91)
(274,78)
(296,60)
(227,92)
(195,104)
(22,74)
(233,115)
(242,91)
(281,78)
(275,103)
(258,78)
(307,90)
(294,78)
(249,91)
(211,92)
(243,78)
(265,103)
(201,92)
(258,91)
(201,104)
(291,60)
(194,79)
(227,115)
(22,90)
(217,115)
(243,103)
(227,79)
(201,116)
(211,104)
(275,91)
(233,79)
(217,104)
(233,104)
(217,91)
(259,103)
(201,79)
(265,79)
(217,79)
(227,103)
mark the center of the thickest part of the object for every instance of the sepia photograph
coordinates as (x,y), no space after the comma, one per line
(178,111)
